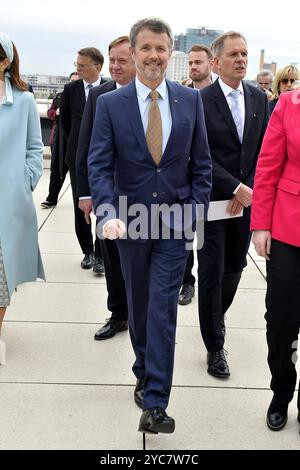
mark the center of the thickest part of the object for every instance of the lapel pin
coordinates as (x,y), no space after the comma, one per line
(176,101)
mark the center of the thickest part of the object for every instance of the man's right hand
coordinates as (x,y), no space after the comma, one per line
(244,195)
(86,206)
(114,228)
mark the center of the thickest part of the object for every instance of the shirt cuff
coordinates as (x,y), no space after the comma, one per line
(84,197)
(236,189)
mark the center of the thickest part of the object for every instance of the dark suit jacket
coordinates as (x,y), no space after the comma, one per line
(86,128)
(71,111)
(119,161)
(233,162)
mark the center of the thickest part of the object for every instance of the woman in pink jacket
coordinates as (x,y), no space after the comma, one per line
(275,221)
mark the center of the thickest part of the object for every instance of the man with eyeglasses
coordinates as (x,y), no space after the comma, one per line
(88,65)
(264,80)
(122,71)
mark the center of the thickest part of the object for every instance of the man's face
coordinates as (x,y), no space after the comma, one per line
(232,63)
(264,82)
(121,64)
(151,55)
(199,66)
(87,69)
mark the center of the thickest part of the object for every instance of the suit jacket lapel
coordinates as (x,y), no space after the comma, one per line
(222,104)
(174,101)
(249,109)
(81,94)
(134,116)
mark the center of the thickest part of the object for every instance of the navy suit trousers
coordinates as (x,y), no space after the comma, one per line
(153,273)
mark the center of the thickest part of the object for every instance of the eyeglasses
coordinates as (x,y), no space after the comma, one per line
(83,66)
(285,81)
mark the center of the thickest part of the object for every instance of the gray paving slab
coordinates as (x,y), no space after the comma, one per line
(105,418)
(67,353)
(66,268)
(60,302)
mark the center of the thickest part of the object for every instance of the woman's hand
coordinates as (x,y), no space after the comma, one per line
(262,243)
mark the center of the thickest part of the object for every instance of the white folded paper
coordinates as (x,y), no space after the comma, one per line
(217,210)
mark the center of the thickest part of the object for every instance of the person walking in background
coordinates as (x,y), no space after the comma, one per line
(58,169)
(149,144)
(236,116)
(264,80)
(276,236)
(285,80)
(89,65)
(20,170)
(122,71)
(199,61)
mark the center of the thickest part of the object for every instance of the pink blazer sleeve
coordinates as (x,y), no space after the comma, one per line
(270,165)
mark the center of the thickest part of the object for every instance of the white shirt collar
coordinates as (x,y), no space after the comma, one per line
(227,89)
(96,83)
(143,91)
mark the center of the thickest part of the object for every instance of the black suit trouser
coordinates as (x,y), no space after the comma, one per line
(115,284)
(283,317)
(56,179)
(220,265)
(82,229)
(188,277)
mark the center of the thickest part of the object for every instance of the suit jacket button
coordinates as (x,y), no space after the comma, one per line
(154,194)
(158,170)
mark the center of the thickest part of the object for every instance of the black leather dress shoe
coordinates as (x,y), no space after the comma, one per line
(186,294)
(98,267)
(139,392)
(277,414)
(88,261)
(155,420)
(110,328)
(217,364)
(47,204)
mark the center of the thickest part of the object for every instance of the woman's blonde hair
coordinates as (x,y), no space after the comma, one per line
(281,74)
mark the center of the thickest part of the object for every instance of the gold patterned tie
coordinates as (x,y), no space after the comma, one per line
(154,129)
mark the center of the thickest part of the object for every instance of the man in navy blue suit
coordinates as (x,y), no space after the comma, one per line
(149,145)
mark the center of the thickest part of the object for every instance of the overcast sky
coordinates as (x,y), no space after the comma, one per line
(49,33)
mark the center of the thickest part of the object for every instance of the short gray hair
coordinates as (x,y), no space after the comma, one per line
(218,44)
(156,25)
(265,73)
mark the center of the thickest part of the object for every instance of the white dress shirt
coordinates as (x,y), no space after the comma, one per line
(87,86)
(144,101)
(227,90)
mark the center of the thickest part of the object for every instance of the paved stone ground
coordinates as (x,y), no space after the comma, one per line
(61,389)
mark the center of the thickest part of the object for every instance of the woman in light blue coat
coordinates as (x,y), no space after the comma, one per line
(21,151)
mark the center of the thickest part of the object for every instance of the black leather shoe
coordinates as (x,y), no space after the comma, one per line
(47,205)
(110,328)
(98,267)
(155,420)
(277,414)
(139,392)
(217,364)
(186,294)
(88,261)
